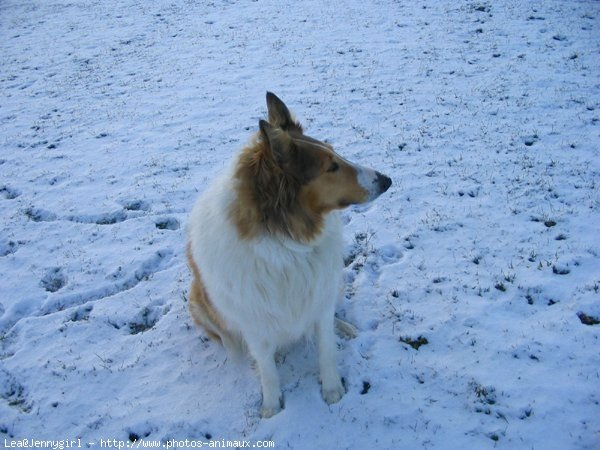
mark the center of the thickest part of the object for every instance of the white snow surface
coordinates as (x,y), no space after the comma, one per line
(114,115)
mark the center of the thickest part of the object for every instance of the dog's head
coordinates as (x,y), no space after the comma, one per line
(287,182)
(327,181)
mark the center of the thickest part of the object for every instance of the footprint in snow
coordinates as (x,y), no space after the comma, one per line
(128,279)
(147,319)
(81,314)
(9,193)
(389,254)
(39,215)
(136,205)
(100,219)
(167,223)
(8,247)
(54,279)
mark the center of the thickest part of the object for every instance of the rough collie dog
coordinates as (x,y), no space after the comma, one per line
(265,248)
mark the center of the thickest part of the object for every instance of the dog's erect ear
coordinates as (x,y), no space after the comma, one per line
(302,165)
(266,130)
(279,114)
(276,140)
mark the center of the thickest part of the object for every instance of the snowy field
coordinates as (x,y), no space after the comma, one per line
(474,282)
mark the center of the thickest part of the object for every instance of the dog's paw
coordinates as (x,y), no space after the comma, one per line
(344,329)
(333,394)
(269,410)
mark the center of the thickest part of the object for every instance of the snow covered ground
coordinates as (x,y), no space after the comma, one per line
(474,281)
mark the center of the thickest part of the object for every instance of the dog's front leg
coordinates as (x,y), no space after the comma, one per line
(331,383)
(264,355)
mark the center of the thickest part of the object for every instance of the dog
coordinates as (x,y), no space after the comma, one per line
(265,249)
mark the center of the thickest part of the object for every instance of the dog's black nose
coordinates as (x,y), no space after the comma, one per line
(383,182)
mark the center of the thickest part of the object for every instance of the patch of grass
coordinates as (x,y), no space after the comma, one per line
(509,277)
(560,270)
(526,413)
(485,394)
(415,343)
(588,320)
(53,280)
(365,387)
(361,249)
(168,223)
(13,392)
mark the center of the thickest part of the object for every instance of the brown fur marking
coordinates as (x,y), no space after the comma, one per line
(333,190)
(283,182)
(267,197)
(201,308)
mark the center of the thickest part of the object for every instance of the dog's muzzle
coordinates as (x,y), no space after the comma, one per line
(383,182)
(375,183)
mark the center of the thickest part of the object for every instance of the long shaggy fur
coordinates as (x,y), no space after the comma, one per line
(265,248)
(267,197)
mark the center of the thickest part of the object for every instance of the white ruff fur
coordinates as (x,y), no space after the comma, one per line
(269,291)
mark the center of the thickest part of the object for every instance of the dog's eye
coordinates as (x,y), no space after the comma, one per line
(333,167)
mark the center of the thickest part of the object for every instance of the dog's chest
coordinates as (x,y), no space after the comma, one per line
(289,286)
(266,286)
(301,274)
